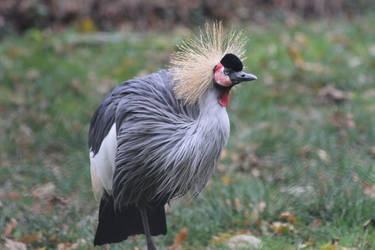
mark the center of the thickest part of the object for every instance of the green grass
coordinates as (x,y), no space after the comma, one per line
(290,149)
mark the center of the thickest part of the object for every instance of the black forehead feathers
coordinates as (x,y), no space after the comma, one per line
(231,61)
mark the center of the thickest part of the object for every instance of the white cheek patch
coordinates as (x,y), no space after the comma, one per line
(102,164)
(222,79)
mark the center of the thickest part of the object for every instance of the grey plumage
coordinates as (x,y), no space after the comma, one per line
(164,148)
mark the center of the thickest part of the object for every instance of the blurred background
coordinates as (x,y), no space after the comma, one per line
(298,171)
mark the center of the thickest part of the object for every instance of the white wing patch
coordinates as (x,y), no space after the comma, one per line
(102,164)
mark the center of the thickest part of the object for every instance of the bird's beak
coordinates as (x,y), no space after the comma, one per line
(237,77)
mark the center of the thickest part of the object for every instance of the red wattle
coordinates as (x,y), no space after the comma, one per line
(224,99)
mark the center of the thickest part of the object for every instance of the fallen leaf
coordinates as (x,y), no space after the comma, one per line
(330,92)
(14,245)
(44,190)
(336,119)
(31,238)
(220,238)
(289,217)
(14,196)
(323,155)
(225,236)
(349,121)
(307,244)
(316,223)
(281,228)
(369,190)
(9,227)
(179,238)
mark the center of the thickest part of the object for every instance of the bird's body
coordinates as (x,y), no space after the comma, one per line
(149,137)
(152,140)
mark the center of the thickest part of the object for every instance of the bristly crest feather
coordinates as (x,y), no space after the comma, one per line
(193,65)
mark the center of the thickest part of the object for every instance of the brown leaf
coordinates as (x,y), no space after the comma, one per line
(14,245)
(289,217)
(31,238)
(336,119)
(44,190)
(179,238)
(349,121)
(316,223)
(14,196)
(330,92)
(369,190)
(9,228)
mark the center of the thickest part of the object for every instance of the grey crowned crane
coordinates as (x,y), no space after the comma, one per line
(158,137)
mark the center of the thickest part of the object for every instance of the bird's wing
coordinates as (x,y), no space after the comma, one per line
(150,123)
(103,144)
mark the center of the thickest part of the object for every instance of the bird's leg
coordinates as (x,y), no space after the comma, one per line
(146,227)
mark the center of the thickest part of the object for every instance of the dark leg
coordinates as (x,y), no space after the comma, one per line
(146,227)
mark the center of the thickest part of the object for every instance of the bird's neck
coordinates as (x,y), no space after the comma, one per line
(213,121)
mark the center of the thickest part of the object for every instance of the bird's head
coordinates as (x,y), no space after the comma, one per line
(227,73)
(212,60)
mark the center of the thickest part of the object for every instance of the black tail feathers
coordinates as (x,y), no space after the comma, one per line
(115,226)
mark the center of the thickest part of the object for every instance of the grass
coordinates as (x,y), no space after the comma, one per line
(292,148)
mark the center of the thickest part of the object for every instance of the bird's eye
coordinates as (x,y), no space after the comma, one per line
(226,72)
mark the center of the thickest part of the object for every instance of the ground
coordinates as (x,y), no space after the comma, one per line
(299,169)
